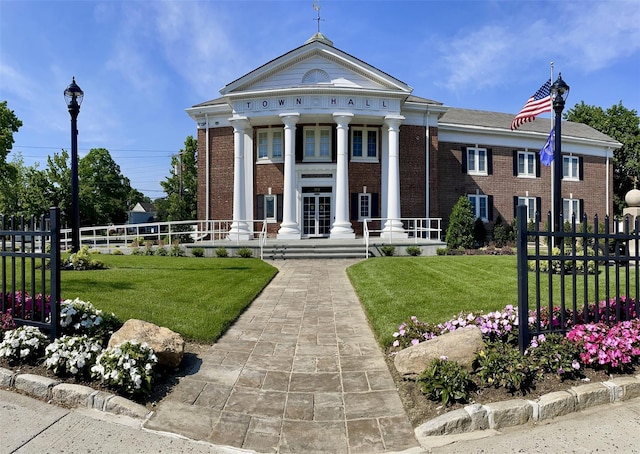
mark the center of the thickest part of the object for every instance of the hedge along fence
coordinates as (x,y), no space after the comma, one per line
(30,267)
(580,255)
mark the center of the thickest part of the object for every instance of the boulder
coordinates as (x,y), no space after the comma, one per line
(460,345)
(167,345)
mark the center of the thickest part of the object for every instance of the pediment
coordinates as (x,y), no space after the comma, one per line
(316,66)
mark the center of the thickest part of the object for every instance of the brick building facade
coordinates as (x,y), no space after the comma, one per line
(315,141)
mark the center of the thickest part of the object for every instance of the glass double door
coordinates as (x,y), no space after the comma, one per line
(316,212)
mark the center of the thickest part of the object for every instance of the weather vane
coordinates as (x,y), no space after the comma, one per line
(317,8)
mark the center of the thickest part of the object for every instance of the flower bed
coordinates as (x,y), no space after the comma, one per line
(611,348)
(80,353)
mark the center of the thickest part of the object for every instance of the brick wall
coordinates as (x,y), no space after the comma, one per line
(220,173)
(503,185)
(412,171)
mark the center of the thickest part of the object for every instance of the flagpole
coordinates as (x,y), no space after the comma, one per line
(553,167)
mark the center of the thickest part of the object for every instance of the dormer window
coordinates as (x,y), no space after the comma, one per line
(316,76)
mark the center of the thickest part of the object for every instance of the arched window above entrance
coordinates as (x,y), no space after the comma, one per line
(316,76)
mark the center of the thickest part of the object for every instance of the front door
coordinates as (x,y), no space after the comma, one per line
(316,213)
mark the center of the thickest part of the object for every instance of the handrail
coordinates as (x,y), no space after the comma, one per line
(263,239)
(416,228)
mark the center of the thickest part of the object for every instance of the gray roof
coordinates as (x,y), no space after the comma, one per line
(496,120)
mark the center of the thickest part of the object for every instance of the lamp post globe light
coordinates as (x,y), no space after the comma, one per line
(559,93)
(73,96)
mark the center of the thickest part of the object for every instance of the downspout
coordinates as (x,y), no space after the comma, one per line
(207,183)
(428,170)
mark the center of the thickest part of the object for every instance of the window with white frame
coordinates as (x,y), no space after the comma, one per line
(570,208)
(570,168)
(364,144)
(530,202)
(317,143)
(364,206)
(270,207)
(480,205)
(526,164)
(270,144)
(477,161)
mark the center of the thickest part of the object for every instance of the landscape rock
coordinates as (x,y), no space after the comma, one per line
(460,345)
(167,345)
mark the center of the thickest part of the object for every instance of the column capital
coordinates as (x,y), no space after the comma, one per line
(290,119)
(239,123)
(342,118)
(393,121)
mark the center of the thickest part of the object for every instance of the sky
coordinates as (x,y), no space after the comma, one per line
(142,63)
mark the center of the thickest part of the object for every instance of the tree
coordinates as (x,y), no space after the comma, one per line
(624,126)
(461,223)
(9,124)
(181,186)
(59,176)
(105,194)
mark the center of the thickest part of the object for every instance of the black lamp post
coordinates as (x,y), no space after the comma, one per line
(559,93)
(73,95)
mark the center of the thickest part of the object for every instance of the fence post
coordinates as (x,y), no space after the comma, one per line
(54,214)
(523,278)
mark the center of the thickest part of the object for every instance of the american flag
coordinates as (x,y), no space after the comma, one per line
(539,103)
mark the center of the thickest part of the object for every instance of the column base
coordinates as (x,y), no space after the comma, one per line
(239,231)
(289,232)
(342,231)
(393,230)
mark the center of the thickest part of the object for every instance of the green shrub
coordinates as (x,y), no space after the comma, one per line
(414,251)
(501,365)
(501,233)
(137,251)
(244,252)
(197,252)
(388,250)
(442,251)
(461,222)
(161,251)
(81,260)
(148,248)
(176,250)
(446,381)
(222,252)
(557,355)
(117,252)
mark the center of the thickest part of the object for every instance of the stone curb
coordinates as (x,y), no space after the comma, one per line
(515,412)
(71,395)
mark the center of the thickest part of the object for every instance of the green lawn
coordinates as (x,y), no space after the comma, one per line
(196,297)
(434,289)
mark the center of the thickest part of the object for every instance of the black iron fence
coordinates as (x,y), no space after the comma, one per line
(587,273)
(30,267)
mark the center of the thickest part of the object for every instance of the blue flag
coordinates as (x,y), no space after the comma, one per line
(546,154)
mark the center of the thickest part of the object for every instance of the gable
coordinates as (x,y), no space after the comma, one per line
(315,65)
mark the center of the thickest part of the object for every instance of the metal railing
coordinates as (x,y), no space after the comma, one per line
(415,229)
(194,231)
(592,274)
(30,267)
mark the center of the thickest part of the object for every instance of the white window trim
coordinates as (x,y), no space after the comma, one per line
(477,213)
(269,158)
(571,204)
(528,201)
(361,196)
(572,159)
(317,136)
(271,219)
(365,136)
(475,151)
(526,174)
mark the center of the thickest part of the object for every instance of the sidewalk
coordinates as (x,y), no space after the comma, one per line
(300,371)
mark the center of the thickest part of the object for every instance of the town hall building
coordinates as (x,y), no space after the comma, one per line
(316,141)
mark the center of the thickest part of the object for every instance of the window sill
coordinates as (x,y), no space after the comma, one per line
(269,161)
(365,160)
(524,175)
(480,174)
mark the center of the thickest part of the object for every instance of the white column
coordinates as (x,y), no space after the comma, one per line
(289,228)
(393,226)
(341,227)
(239,229)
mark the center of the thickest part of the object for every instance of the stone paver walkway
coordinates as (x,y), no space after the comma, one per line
(299,372)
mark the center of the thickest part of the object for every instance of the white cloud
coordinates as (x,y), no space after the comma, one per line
(587,36)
